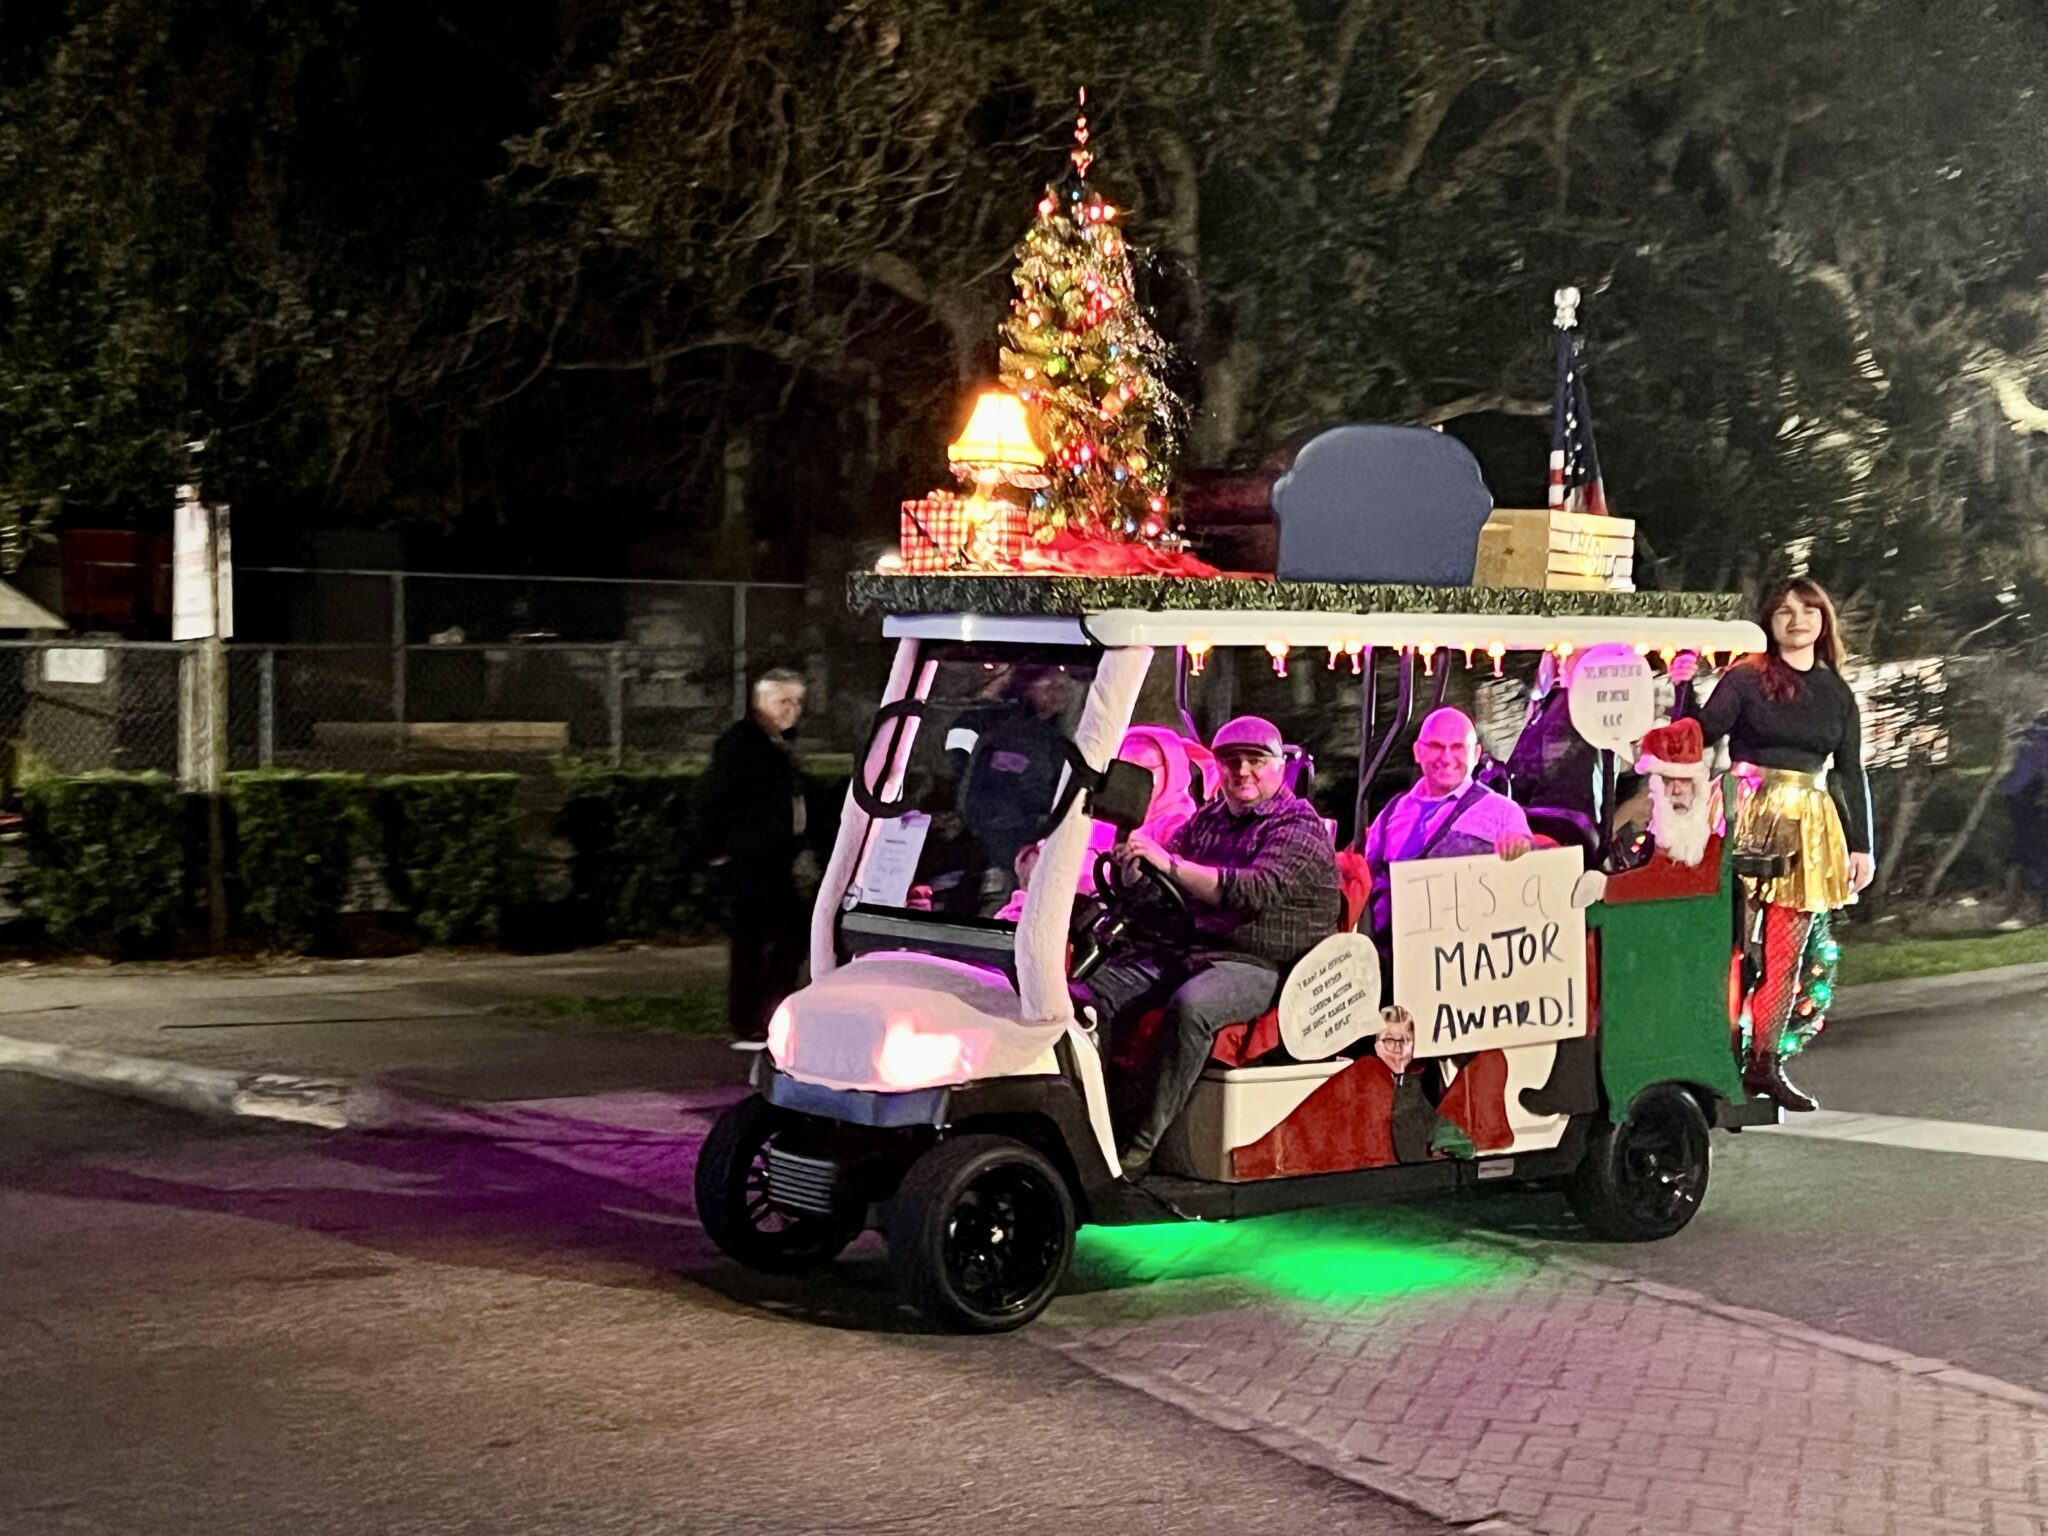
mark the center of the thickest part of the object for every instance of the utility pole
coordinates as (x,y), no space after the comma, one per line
(202,609)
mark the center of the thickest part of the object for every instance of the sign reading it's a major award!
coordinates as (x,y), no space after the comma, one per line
(1489,952)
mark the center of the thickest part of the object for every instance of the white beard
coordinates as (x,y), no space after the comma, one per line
(1683,835)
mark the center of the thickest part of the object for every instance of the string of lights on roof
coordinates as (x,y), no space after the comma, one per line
(1357,653)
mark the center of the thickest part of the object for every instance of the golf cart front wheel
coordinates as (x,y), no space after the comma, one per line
(1644,1178)
(736,1205)
(981,1233)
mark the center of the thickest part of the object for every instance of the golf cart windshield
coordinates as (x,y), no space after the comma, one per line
(981,759)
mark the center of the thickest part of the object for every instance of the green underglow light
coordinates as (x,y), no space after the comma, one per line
(1340,1257)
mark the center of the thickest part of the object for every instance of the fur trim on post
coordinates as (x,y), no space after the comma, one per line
(1049,905)
(854,822)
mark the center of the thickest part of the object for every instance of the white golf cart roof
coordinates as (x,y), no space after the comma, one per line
(1244,611)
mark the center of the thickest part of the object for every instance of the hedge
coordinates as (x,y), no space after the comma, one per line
(633,863)
(113,857)
(451,850)
(106,859)
(296,836)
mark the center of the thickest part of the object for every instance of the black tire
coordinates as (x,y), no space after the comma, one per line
(732,1199)
(1644,1178)
(981,1233)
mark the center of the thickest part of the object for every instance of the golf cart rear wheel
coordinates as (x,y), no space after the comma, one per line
(734,1203)
(981,1233)
(1644,1178)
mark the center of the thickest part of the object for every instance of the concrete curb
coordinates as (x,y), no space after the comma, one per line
(338,1104)
(205,1091)
(1875,998)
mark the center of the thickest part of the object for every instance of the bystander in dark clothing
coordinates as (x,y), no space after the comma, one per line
(2026,805)
(1553,767)
(752,813)
(1552,764)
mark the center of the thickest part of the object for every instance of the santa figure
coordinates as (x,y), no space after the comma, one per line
(1684,820)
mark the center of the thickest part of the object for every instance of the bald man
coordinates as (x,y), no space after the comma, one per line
(1445,815)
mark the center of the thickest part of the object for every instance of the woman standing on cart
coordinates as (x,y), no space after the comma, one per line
(1786,714)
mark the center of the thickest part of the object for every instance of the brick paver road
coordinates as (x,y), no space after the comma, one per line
(1486,1382)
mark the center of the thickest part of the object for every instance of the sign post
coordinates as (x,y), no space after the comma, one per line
(202,609)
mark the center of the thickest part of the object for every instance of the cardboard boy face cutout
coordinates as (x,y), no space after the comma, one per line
(1395,1043)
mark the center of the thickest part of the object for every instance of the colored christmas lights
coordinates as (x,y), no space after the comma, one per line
(1077,346)
(1817,964)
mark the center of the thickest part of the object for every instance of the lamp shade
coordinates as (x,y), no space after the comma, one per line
(996,443)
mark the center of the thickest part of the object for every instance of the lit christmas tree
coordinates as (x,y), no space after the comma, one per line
(1081,352)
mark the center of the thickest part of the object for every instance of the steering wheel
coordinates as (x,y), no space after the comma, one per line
(1101,925)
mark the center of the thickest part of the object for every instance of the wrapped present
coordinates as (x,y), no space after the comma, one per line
(933,533)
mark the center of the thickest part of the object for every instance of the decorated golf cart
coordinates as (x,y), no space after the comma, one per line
(933,1080)
(1559,1017)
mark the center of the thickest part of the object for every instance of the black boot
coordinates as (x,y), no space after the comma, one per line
(1765,1077)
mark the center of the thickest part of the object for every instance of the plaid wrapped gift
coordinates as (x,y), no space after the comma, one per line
(934,532)
(937,534)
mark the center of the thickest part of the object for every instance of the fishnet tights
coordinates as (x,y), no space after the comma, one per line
(1770,1006)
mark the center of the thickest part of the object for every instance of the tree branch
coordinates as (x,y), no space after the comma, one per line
(1432,106)
(1344,38)
(1495,400)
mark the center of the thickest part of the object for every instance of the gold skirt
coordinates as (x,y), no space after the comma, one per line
(1789,813)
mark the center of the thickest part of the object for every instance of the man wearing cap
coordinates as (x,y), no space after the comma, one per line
(1444,816)
(1260,875)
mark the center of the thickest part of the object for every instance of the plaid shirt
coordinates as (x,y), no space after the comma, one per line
(1279,895)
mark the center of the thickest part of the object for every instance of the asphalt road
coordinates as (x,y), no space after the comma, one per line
(224,1330)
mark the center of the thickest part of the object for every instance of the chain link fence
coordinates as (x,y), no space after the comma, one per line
(78,708)
(386,672)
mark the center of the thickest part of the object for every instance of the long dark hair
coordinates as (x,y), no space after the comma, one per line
(1780,681)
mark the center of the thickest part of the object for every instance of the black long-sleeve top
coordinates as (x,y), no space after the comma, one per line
(1820,721)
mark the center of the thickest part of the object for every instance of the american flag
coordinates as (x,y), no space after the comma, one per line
(1574,462)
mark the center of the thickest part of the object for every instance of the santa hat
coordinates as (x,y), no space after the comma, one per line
(1676,750)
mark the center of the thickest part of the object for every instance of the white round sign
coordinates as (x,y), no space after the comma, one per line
(1613,697)
(1332,998)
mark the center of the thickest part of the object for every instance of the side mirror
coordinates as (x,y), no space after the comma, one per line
(1124,796)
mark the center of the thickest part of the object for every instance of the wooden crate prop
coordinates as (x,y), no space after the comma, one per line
(1549,550)
(935,533)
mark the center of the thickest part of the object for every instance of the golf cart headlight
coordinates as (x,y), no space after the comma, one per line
(781,1029)
(910,1058)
